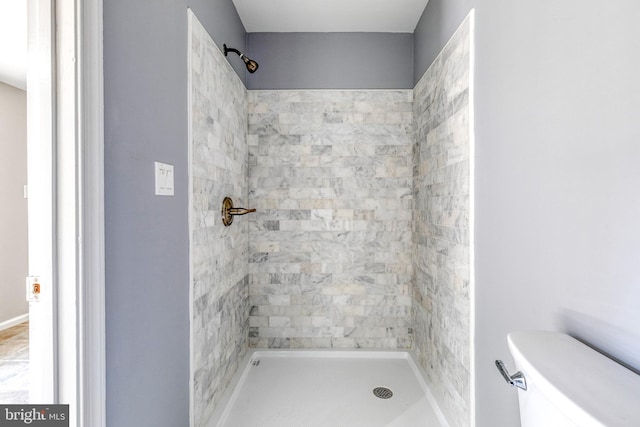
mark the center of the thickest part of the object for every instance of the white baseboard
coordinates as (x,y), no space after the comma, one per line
(13,322)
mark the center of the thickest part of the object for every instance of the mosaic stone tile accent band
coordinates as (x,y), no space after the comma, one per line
(330,247)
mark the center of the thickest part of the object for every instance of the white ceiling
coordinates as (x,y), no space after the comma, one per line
(388,16)
(13,42)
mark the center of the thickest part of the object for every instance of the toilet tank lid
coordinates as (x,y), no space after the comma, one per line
(588,387)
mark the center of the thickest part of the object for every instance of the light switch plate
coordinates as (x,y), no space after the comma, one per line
(164,179)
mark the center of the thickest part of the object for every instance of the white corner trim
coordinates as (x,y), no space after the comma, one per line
(92,364)
(13,322)
(472,217)
(190,18)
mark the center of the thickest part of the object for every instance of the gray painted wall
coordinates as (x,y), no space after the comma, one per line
(439,21)
(147,267)
(556,176)
(557,200)
(331,60)
(13,220)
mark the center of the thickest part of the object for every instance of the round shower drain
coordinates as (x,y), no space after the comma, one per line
(382,392)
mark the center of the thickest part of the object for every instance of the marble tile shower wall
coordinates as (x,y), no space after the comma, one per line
(330,247)
(441,215)
(219,254)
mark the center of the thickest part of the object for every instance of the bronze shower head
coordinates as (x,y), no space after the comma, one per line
(252,65)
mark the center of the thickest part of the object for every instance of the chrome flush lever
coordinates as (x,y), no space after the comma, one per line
(515,380)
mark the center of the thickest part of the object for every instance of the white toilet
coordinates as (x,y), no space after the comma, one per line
(570,384)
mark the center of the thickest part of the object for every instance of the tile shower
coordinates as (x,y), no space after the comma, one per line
(219,254)
(361,235)
(330,248)
(441,226)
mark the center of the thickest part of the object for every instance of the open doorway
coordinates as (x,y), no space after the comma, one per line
(65,205)
(14,309)
(27,371)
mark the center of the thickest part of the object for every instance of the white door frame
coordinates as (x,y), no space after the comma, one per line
(41,176)
(92,367)
(66,110)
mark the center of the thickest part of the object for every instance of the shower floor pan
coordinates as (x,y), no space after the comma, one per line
(328,389)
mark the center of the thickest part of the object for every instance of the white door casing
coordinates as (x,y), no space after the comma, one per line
(66,198)
(41,182)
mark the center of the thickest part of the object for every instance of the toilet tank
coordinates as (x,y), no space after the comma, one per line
(570,384)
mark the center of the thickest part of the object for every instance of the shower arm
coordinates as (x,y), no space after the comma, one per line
(230,49)
(252,65)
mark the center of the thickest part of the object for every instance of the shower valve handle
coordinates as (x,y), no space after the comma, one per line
(228,211)
(240,211)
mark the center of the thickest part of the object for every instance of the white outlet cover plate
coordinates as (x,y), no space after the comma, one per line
(164,179)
